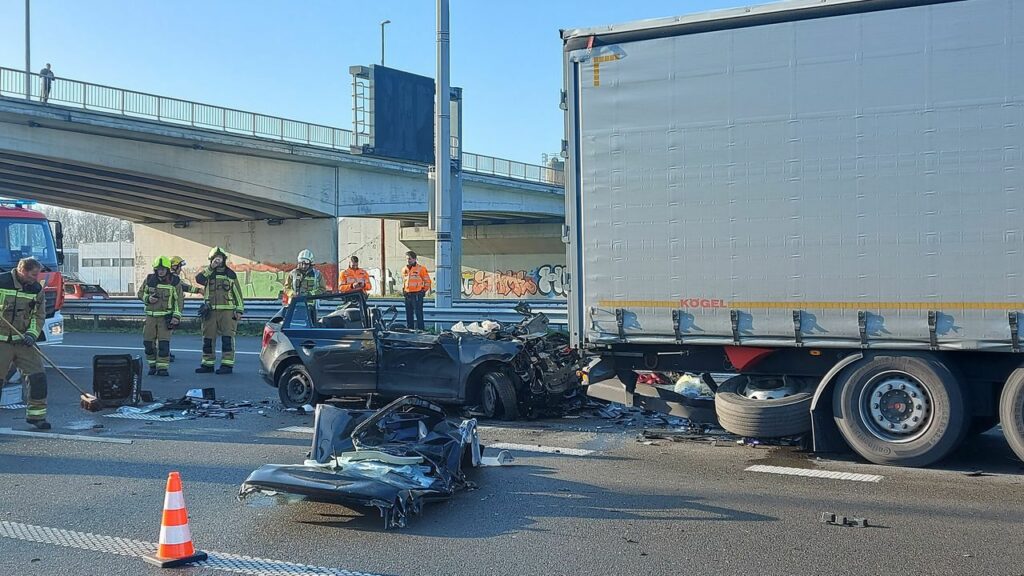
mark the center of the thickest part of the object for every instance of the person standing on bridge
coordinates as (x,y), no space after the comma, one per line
(46,76)
(224,308)
(22,305)
(161,292)
(305,279)
(354,278)
(416,284)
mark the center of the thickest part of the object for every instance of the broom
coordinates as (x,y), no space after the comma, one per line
(87,401)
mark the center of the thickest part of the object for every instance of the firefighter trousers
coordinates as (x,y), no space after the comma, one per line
(30,364)
(156,339)
(219,323)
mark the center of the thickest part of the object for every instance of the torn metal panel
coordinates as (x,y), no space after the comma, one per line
(396,459)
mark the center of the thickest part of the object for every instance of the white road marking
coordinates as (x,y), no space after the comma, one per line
(815,473)
(298,429)
(151,417)
(138,548)
(138,349)
(12,406)
(54,436)
(541,449)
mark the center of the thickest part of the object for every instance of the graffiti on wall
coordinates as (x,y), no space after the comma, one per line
(547,281)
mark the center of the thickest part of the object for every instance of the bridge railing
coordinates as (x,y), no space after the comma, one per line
(130,103)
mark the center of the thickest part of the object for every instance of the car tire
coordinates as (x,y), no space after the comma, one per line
(1011,411)
(922,424)
(752,418)
(498,396)
(295,387)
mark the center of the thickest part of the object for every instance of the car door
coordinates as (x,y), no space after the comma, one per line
(339,360)
(421,364)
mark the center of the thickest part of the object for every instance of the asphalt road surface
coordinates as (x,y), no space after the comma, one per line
(616,506)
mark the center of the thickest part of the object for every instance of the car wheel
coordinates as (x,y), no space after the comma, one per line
(498,397)
(900,410)
(765,407)
(295,387)
(1011,411)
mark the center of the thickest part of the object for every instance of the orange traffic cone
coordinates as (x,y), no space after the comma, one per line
(175,538)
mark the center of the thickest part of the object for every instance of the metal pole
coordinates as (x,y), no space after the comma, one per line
(382,24)
(442,163)
(383,258)
(28,53)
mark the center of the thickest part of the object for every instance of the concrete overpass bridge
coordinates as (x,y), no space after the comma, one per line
(194,173)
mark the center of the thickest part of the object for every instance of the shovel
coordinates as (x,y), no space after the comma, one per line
(87,401)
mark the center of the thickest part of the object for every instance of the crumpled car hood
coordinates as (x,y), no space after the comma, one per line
(395,459)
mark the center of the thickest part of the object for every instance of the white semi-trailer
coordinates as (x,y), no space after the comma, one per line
(825,197)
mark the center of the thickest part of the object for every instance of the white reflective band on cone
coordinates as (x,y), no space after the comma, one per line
(174,501)
(175,534)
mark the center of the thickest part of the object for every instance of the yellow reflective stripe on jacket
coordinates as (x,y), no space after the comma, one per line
(33,322)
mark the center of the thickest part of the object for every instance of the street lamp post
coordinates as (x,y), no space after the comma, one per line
(28,54)
(382,24)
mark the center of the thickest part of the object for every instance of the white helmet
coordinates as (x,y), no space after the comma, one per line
(306,256)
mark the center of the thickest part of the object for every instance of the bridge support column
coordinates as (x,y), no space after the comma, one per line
(262,254)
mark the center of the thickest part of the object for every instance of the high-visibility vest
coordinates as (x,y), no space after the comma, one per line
(349,276)
(416,278)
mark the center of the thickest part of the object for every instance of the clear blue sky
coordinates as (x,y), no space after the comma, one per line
(291,59)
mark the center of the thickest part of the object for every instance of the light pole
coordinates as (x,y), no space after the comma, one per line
(28,54)
(382,24)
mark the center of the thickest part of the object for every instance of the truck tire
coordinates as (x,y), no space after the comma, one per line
(752,418)
(498,396)
(900,410)
(1011,411)
(295,387)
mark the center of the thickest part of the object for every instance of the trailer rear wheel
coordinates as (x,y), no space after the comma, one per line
(1011,411)
(900,410)
(764,407)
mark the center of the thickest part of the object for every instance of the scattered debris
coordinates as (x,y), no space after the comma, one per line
(832,518)
(10,395)
(394,459)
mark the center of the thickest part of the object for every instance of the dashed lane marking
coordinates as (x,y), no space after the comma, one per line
(541,449)
(137,548)
(785,471)
(298,429)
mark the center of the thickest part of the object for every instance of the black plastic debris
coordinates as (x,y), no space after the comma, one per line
(395,459)
(836,520)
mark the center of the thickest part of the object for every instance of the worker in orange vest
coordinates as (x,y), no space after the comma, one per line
(416,284)
(354,278)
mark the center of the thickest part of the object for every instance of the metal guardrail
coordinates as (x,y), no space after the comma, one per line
(129,103)
(262,310)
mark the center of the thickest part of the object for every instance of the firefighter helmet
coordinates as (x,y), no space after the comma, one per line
(216,251)
(306,256)
(161,262)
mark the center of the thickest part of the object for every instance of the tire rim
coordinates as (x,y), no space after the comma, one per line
(770,388)
(299,388)
(896,407)
(490,400)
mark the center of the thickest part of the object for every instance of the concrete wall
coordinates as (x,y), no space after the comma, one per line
(499,261)
(261,254)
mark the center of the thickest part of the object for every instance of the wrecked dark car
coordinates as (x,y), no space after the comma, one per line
(395,459)
(335,345)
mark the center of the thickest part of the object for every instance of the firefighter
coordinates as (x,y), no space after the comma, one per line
(161,293)
(416,284)
(224,308)
(177,266)
(354,278)
(305,279)
(22,305)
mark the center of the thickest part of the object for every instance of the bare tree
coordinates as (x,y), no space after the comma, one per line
(81,227)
